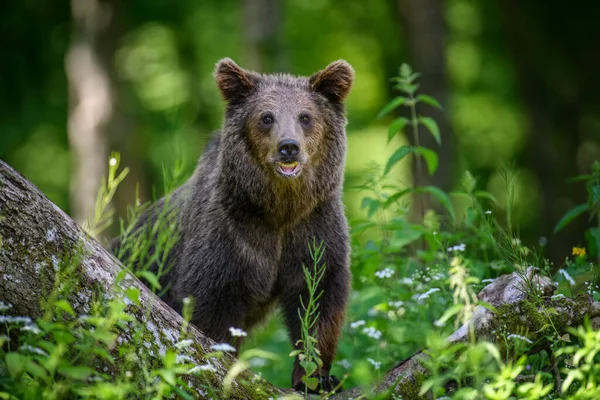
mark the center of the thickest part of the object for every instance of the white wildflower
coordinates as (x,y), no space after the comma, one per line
(5,306)
(385,273)
(396,304)
(372,333)
(258,362)
(7,319)
(427,293)
(406,281)
(183,358)
(375,364)
(204,367)
(35,350)
(32,328)
(184,343)
(458,247)
(520,337)
(237,332)
(358,323)
(345,364)
(222,347)
(567,277)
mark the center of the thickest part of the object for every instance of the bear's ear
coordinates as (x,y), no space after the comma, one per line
(333,82)
(235,83)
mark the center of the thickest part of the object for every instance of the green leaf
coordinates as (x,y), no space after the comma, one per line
(570,216)
(396,196)
(311,382)
(579,178)
(397,156)
(430,156)
(432,126)
(150,278)
(441,196)
(423,98)
(133,294)
(396,102)
(485,195)
(308,366)
(396,126)
(79,373)
(65,306)
(15,364)
(35,370)
(182,393)
(362,226)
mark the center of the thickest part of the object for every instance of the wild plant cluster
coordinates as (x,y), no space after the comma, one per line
(416,279)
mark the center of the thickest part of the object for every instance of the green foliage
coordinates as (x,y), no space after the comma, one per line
(414,283)
(308,354)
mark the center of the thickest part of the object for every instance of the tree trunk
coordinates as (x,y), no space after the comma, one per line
(35,236)
(91,103)
(263,50)
(424,29)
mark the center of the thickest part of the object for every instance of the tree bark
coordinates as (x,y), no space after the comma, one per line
(35,236)
(263,48)
(424,28)
(91,102)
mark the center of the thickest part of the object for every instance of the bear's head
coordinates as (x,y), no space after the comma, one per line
(292,126)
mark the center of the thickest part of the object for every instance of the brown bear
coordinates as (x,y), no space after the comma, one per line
(267,184)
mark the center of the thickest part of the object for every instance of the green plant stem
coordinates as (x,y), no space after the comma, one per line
(419,168)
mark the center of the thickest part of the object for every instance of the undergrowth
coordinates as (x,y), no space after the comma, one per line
(416,279)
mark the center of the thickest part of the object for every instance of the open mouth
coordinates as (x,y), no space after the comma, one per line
(288,169)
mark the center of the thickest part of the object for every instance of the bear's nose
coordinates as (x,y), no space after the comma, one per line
(288,148)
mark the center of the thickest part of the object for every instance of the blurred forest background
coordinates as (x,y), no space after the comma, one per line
(518,81)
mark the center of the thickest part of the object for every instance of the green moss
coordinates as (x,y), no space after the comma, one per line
(410,388)
(539,321)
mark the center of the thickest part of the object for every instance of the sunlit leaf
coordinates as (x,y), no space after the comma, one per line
(79,373)
(430,156)
(15,364)
(396,196)
(570,216)
(423,98)
(432,126)
(396,102)
(65,306)
(485,195)
(150,277)
(133,294)
(396,157)
(441,196)
(396,126)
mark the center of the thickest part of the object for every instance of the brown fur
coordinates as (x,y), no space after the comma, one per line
(245,226)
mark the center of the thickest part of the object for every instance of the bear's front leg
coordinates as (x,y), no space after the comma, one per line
(328,224)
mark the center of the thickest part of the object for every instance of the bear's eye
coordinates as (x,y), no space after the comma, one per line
(305,119)
(268,119)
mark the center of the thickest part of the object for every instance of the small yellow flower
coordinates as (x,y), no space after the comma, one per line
(579,251)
